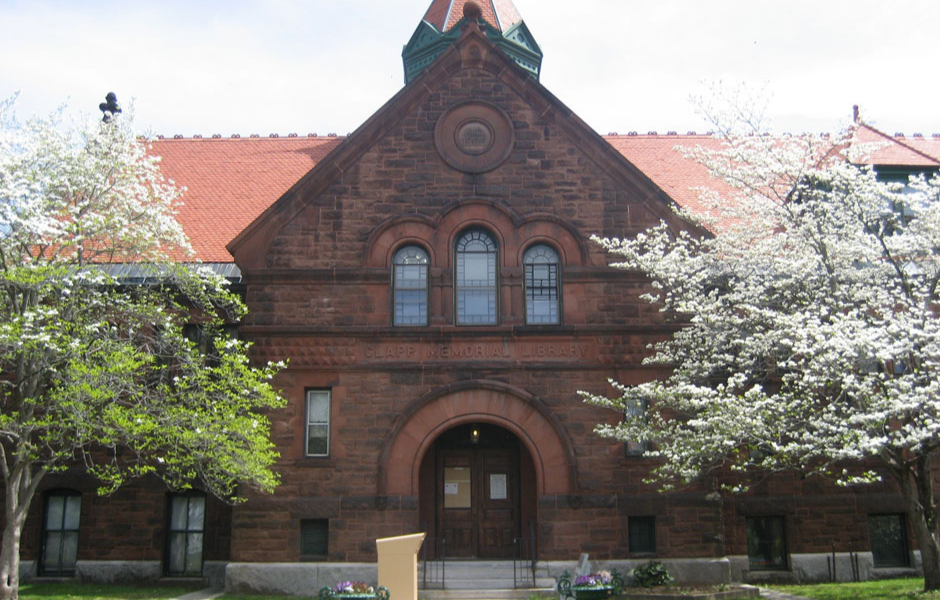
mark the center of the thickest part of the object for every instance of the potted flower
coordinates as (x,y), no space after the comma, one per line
(354,590)
(596,586)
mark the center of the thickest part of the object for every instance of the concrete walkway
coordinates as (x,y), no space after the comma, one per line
(775,595)
(206,594)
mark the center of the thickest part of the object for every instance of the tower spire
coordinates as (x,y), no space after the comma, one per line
(498,19)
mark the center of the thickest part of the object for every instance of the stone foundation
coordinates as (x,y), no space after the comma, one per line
(815,568)
(306,579)
(294,579)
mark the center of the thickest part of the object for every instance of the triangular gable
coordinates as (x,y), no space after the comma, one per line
(521,35)
(472,51)
(897,150)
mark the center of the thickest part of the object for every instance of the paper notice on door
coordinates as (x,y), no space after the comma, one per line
(451,488)
(497,486)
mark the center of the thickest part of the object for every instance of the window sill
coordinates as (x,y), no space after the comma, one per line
(313,558)
(316,462)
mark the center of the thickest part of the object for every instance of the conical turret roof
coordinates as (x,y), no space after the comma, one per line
(499,14)
(441,25)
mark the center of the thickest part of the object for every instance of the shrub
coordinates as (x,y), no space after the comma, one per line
(652,574)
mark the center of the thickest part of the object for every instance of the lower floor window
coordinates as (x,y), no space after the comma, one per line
(766,543)
(314,538)
(185,534)
(642,534)
(888,536)
(60,533)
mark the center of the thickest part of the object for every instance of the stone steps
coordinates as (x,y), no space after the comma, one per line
(467,580)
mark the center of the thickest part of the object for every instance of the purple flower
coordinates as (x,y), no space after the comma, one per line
(593,580)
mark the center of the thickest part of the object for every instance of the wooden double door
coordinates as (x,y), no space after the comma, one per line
(478,503)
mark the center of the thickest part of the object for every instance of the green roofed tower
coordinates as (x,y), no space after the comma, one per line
(441,26)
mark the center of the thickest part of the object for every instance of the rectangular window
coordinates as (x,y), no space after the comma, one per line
(641,532)
(635,410)
(318,423)
(185,534)
(410,280)
(766,543)
(60,537)
(541,291)
(314,538)
(476,289)
(888,537)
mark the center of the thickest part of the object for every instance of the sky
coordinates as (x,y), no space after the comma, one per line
(324,66)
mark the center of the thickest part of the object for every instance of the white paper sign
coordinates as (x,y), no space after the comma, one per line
(451,488)
(497,486)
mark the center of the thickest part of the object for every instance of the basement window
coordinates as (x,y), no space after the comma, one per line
(766,544)
(888,537)
(641,532)
(314,538)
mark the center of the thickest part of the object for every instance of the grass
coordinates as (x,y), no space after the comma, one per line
(92,591)
(260,597)
(885,589)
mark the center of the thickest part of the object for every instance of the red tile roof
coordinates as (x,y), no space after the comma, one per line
(660,157)
(229,182)
(898,150)
(444,14)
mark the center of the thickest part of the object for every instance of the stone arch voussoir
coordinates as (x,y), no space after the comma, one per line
(527,417)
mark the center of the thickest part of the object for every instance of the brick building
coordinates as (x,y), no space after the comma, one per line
(431,280)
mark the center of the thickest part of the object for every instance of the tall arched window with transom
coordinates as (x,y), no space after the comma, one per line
(410,280)
(475,278)
(542,286)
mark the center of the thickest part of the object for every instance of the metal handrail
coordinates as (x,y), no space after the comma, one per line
(524,551)
(437,564)
(533,545)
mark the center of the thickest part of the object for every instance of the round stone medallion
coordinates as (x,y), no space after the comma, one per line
(474,137)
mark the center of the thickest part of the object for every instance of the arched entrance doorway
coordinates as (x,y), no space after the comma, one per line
(478,492)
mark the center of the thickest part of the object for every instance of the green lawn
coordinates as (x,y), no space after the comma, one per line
(92,591)
(886,589)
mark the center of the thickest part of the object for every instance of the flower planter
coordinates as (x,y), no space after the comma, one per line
(592,593)
(596,586)
(358,591)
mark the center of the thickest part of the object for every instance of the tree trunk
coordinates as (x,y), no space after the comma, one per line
(10,560)
(21,484)
(917,487)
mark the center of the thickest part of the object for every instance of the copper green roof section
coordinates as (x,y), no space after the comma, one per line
(442,23)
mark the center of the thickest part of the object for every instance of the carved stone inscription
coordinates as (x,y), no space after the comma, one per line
(540,351)
(474,137)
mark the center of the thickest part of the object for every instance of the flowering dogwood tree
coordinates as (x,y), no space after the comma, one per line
(102,372)
(812,336)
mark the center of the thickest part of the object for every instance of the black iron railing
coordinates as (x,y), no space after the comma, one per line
(434,567)
(525,556)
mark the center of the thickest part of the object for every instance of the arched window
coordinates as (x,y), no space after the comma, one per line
(542,287)
(475,279)
(410,280)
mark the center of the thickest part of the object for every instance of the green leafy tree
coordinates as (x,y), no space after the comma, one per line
(97,366)
(812,339)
